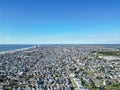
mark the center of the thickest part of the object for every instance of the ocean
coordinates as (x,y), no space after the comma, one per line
(6,47)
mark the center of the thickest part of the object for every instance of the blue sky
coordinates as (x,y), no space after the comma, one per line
(59,21)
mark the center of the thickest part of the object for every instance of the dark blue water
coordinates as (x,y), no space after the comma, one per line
(6,47)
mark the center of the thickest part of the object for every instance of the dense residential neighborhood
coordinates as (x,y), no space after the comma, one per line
(59,67)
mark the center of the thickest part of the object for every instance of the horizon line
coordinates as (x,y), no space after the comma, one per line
(58,44)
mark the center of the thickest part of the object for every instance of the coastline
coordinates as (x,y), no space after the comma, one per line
(16,50)
(30,47)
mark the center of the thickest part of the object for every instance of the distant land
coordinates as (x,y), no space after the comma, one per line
(6,47)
